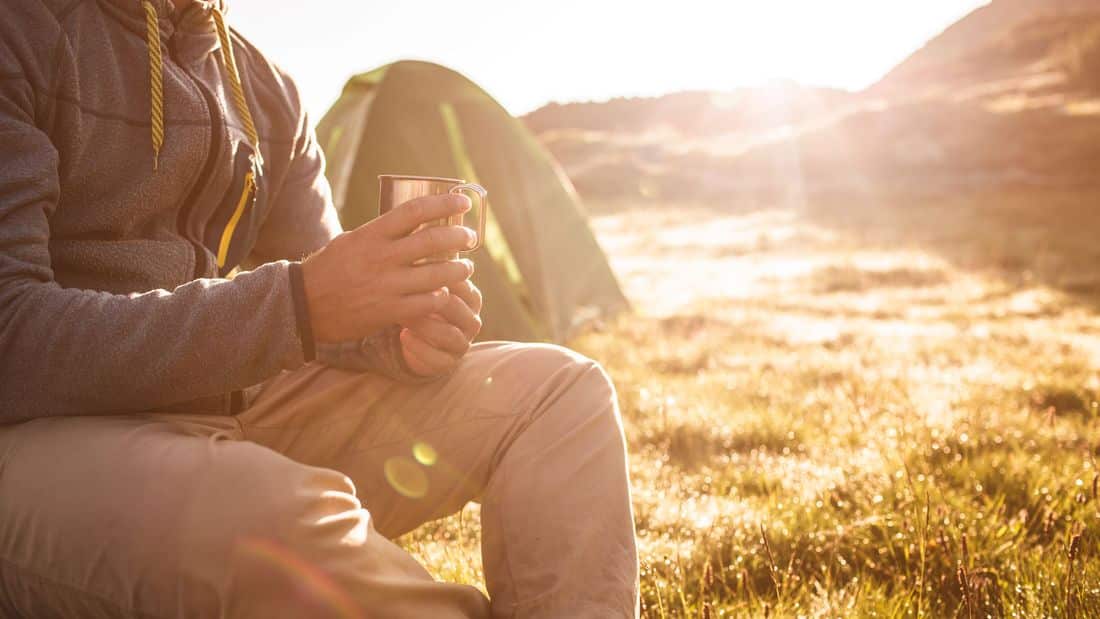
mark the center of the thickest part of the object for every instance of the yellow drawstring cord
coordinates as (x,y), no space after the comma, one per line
(237,89)
(156,78)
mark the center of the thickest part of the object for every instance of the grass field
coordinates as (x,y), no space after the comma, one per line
(853,413)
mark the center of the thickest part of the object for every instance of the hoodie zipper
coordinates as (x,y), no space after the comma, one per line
(248,192)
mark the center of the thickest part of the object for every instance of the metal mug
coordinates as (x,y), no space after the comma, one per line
(397,189)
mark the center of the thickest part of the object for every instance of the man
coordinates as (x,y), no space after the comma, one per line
(195,421)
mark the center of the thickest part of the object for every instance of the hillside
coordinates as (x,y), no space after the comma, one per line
(691,113)
(984,29)
(1008,97)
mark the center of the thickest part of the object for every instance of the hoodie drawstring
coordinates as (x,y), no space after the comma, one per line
(156,80)
(239,101)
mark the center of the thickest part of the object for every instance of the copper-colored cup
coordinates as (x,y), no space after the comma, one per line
(397,189)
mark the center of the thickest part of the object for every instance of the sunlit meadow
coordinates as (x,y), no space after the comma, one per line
(852,411)
(861,376)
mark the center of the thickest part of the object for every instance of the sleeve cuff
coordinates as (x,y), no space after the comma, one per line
(379,354)
(301,311)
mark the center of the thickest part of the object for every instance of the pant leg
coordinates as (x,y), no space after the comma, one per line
(533,431)
(174,516)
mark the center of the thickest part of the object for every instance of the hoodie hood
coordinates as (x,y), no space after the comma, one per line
(193,18)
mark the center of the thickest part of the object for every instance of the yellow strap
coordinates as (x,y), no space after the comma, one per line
(156,79)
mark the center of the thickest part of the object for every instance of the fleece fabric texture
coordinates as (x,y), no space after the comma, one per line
(111,295)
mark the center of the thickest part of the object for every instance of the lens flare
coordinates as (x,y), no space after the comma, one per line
(424,453)
(318,588)
(406,476)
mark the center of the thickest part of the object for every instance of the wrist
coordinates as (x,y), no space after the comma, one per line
(302,317)
(318,309)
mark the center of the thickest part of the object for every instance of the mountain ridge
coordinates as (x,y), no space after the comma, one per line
(1018,106)
(982,25)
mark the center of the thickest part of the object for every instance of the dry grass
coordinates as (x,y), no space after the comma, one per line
(830,421)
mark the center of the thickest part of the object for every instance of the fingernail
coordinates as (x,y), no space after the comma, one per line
(471,237)
(462,201)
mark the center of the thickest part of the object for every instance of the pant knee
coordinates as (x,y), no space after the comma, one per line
(258,513)
(591,381)
(582,382)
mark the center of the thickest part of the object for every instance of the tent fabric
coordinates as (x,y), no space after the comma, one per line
(541,271)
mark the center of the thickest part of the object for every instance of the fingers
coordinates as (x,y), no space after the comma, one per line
(441,335)
(405,218)
(433,241)
(459,313)
(469,293)
(413,306)
(425,360)
(432,276)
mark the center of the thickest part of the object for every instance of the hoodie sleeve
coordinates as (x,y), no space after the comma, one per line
(302,219)
(67,351)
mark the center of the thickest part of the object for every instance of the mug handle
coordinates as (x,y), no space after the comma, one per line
(482,209)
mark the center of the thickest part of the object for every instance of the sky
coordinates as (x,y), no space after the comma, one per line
(528,53)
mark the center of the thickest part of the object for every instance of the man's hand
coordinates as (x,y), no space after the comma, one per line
(365,280)
(433,345)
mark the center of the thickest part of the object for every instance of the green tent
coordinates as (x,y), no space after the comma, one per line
(541,271)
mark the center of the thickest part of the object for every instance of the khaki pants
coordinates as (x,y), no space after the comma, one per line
(266,514)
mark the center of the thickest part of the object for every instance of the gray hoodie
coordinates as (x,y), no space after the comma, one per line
(115,246)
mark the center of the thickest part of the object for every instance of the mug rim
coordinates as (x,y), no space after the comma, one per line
(412,177)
